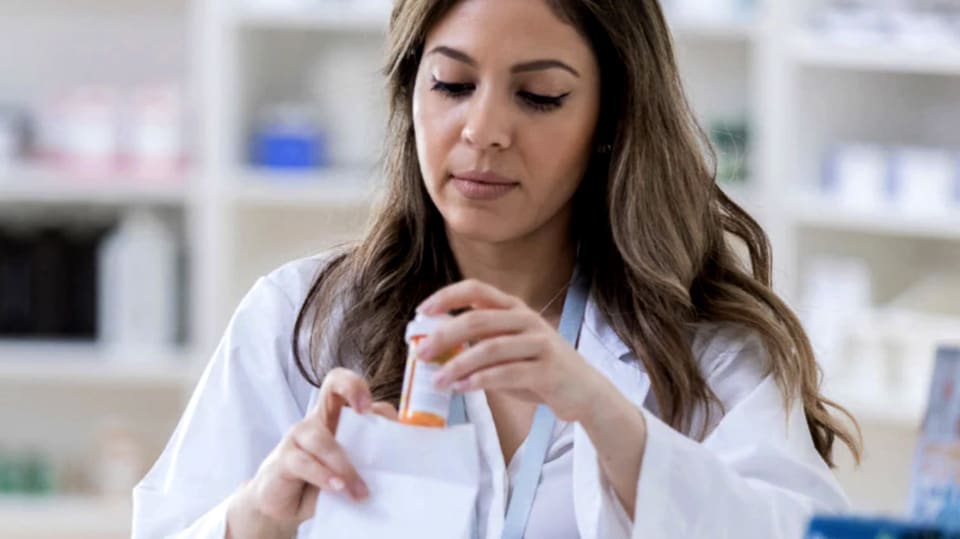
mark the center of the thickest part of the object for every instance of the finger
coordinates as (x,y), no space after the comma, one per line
(486,354)
(385,409)
(323,447)
(468,293)
(352,388)
(515,375)
(342,386)
(298,464)
(470,327)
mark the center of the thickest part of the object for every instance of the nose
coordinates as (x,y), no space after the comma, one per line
(487,126)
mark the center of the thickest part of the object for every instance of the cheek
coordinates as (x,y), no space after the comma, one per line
(435,127)
(562,150)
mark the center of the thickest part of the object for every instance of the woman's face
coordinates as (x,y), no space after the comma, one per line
(505,106)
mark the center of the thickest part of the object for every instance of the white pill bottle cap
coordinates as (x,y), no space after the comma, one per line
(423,325)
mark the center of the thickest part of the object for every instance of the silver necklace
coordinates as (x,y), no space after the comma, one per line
(553,299)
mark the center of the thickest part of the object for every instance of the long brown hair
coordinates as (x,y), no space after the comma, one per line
(659,259)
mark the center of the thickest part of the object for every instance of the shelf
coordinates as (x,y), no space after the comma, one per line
(880,409)
(64,516)
(340,188)
(81,364)
(816,212)
(816,51)
(881,366)
(339,18)
(37,185)
(729,30)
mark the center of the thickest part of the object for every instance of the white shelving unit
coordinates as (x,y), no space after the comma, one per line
(43,186)
(802,95)
(821,213)
(887,94)
(239,222)
(336,19)
(76,364)
(810,50)
(338,188)
(65,516)
(892,412)
(55,396)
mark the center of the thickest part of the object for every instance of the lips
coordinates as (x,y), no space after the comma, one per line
(483,185)
(483,177)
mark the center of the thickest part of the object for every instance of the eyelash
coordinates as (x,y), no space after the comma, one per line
(539,103)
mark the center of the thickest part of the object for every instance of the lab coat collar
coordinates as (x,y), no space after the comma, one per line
(596,323)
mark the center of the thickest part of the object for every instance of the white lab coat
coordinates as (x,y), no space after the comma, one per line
(756,475)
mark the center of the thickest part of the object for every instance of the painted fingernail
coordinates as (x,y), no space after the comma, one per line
(336,484)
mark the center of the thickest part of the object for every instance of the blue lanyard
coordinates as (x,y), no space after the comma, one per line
(538,441)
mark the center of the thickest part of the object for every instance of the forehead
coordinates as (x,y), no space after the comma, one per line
(509,30)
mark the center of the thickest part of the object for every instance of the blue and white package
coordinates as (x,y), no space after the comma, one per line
(935,491)
(288,137)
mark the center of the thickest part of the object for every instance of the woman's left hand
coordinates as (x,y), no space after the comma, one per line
(512,349)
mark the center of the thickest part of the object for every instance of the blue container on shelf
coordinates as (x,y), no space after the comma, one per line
(287,138)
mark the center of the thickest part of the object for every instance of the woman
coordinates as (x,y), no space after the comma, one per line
(527,139)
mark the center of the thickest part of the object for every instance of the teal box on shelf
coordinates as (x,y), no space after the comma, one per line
(838,527)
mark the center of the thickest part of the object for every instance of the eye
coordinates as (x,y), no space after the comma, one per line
(454,90)
(537,102)
(542,103)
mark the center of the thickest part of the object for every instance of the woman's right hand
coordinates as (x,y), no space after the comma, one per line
(308,459)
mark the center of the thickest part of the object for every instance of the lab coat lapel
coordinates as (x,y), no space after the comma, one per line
(600,346)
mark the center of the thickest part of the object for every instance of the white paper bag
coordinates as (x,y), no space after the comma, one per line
(423,482)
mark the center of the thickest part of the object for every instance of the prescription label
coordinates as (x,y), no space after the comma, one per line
(421,403)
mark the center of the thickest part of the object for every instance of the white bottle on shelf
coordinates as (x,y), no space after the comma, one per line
(924,180)
(120,460)
(137,288)
(155,145)
(861,172)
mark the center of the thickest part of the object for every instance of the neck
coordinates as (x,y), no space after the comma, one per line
(533,268)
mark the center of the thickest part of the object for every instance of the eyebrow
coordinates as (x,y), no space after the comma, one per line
(535,65)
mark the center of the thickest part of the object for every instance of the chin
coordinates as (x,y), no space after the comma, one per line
(482,227)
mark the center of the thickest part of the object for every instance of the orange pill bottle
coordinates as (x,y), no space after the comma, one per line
(421,403)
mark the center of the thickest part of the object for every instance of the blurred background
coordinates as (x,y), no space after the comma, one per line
(157,157)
